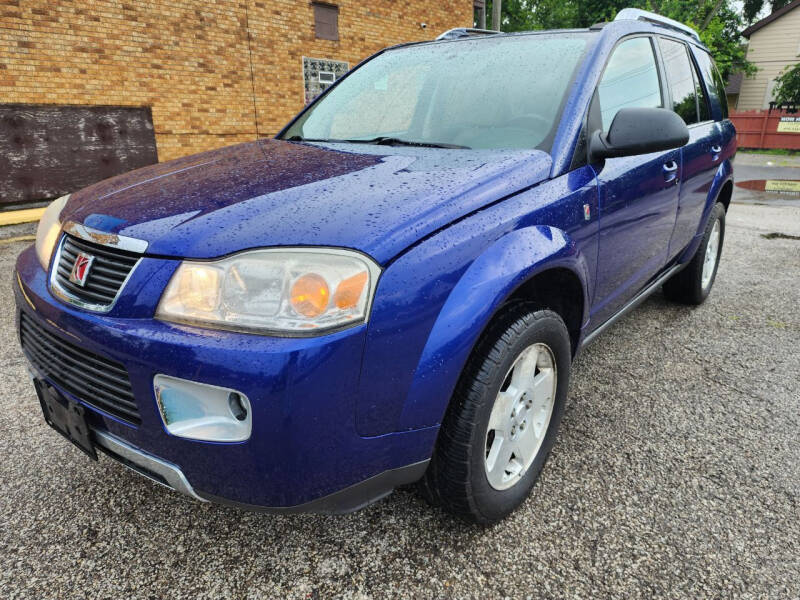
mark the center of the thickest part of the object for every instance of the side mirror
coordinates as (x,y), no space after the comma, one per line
(639,131)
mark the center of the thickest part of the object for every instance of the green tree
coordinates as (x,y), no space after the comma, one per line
(528,15)
(597,11)
(717,21)
(787,86)
(752,8)
(721,33)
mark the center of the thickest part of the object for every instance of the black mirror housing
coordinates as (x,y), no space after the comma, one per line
(639,131)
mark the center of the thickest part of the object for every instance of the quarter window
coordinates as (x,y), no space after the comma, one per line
(629,81)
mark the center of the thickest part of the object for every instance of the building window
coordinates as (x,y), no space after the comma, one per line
(326,21)
(319,74)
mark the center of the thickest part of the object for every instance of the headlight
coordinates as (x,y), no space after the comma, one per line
(284,291)
(49,228)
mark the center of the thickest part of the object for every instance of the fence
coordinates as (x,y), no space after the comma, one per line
(767,129)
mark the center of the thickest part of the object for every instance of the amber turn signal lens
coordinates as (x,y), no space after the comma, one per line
(349,291)
(310,295)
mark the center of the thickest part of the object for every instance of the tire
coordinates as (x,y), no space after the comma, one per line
(459,477)
(690,286)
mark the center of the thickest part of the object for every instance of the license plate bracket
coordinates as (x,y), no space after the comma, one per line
(66,417)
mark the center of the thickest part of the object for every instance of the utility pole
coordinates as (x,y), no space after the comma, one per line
(497,9)
(481,6)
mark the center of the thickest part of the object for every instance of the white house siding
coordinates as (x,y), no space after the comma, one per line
(772,48)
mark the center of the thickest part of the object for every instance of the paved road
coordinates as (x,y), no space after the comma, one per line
(677,474)
(760,167)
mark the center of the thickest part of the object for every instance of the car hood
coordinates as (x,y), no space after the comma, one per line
(376,199)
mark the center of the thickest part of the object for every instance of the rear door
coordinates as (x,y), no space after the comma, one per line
(638,195)
(702,155)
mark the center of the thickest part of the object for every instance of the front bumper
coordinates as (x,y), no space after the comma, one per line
(304,446)
(150,466)
(349,499)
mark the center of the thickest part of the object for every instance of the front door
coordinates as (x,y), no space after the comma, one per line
(638,201)
(638,194)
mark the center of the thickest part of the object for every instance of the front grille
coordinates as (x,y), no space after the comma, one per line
(108,272)
(98,381)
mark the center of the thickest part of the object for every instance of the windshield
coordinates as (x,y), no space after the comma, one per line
(484,93)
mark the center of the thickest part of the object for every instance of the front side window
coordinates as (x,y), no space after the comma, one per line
(629,81)
(482,93)
(684,84)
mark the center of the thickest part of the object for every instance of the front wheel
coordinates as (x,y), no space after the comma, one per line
(692,285)
(503,417)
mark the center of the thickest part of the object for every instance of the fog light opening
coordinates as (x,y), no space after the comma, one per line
(238,409)
(200,411)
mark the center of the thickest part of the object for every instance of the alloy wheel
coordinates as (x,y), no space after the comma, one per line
(710,259)
(520,416)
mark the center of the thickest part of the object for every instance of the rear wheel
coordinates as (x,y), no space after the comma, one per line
(692,285)
(503,417)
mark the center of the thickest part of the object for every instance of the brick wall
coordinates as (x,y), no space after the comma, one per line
(190,60)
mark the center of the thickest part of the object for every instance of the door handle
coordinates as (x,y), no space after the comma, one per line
(671,171)
(716,149)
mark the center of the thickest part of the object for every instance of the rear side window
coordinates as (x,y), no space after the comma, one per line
(714,85)
(688,99)
(630,80)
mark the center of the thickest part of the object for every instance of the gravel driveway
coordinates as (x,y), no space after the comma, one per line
(677,474)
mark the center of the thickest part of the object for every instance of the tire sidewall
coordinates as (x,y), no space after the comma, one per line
(549,330)
(717,214)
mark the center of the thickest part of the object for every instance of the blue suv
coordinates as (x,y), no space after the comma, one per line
(394,288)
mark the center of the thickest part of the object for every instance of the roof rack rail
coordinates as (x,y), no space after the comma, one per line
(636,14)
(465,32)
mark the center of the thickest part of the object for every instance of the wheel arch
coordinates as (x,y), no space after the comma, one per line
(525,265)
(726,193)
(721,191)
(558,289)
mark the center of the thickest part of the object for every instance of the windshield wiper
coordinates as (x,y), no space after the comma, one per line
(385,140)
(300,138)
(381,140)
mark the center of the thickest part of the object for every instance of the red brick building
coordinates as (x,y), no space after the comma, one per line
(211,72)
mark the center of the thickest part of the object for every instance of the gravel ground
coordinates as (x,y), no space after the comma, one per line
(677,474)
